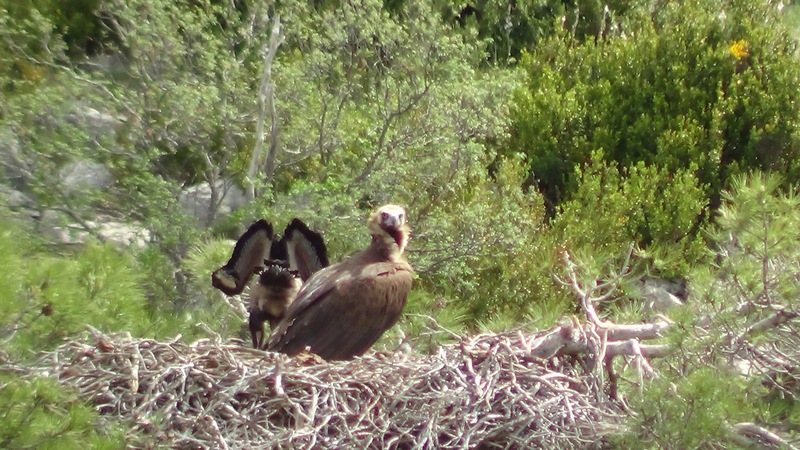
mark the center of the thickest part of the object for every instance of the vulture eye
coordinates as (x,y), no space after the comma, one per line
(401,218)
(384,215)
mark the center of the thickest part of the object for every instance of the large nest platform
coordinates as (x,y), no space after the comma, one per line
(487,391)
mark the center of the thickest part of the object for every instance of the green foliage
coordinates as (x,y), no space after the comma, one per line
(40,414)
(480,246)
(209,306)
(173,99)
(684,88)
(49,297)
(701,392)
(611,208)
(512,28)
(204,259)
(97,286)
(12,254)
(378,89)
(690,412)
(428,321)
(755,243)
(791,16)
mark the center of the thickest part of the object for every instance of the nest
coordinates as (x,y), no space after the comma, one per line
(483,392)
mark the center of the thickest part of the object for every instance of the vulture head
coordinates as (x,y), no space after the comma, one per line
(388,225)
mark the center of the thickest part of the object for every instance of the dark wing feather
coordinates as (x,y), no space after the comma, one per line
(340,314)
(279,251)
(305,249)
(252,248)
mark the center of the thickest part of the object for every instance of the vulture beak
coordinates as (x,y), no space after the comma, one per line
(392,219)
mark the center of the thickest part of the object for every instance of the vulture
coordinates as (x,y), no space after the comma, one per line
(342,310)
(281,265)
(270,297)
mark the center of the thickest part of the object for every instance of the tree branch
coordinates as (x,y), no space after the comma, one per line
(266,105)
(751,435)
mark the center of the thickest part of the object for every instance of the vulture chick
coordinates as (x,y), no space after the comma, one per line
(281,265)
(342,310)
(271,296)
(294,258)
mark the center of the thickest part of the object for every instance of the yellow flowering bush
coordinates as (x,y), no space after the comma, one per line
(739,49)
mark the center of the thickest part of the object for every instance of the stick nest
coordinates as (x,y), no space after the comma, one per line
(486,391)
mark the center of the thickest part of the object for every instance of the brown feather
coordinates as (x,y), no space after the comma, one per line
(277,287)
(248,257)
(345,308)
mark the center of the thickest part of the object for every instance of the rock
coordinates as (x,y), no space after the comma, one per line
(742,366)
(81,175)
(108,230)
(15,199)
(107,63)
(660,295)
(14,169)
(99,125)
(196,201)
(123,234)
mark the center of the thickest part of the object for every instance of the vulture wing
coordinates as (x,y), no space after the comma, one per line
(270,298)
(344,309)
(305,249)
(293,259)
(252,248)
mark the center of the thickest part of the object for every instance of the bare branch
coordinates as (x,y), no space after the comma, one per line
(751,435)
(775,320)
(266,106)
(485,390)
(632,347)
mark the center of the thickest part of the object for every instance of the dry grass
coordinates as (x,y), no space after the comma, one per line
(482,392)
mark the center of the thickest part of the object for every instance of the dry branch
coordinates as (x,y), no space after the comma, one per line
(750,435)
(488,391)
(266,106)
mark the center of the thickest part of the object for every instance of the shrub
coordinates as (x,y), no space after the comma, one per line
(682,87)
(39,413)
(735,346)
(611,208)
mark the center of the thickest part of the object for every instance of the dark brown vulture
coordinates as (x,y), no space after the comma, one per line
(342,310)
(281,266)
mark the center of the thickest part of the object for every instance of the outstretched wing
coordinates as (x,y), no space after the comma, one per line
(252,248)
(305,249)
